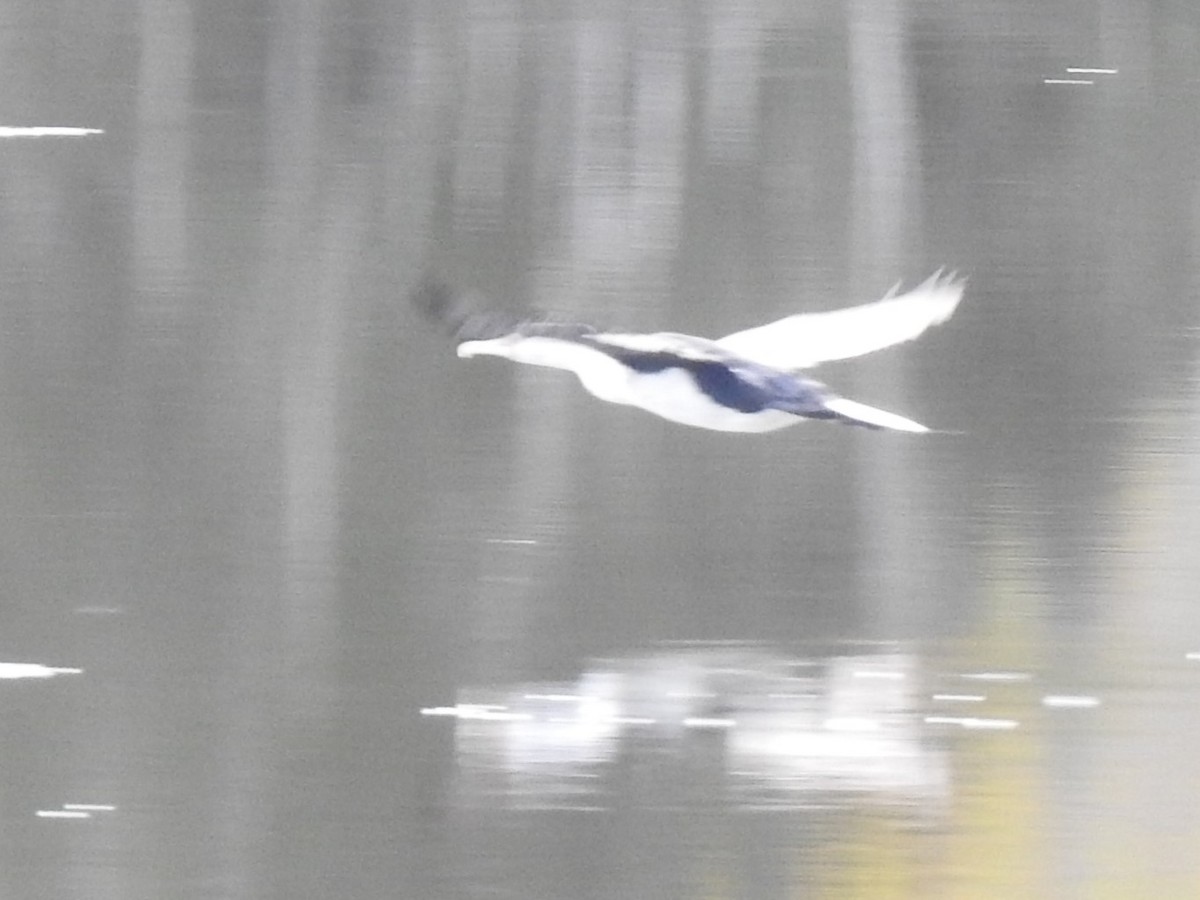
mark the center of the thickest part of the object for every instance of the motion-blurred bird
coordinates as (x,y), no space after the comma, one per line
(747,381)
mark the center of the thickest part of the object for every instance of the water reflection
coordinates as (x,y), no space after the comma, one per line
(761,728)
(838,769)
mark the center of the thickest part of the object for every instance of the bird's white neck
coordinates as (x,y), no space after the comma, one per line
(600,374)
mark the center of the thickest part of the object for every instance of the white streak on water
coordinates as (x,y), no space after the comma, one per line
(974,723)
(1070,701)
(18,131)
(34,670)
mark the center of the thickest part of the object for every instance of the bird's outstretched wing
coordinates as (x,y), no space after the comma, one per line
(807,339)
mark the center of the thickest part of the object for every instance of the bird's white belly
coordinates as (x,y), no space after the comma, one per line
(673,394)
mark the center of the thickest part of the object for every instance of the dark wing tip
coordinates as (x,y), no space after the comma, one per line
(436,300)
(488,325)
(463,314)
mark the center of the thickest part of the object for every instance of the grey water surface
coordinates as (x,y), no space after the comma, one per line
(297,604)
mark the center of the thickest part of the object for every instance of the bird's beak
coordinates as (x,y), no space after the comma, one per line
(467,349)
(490,347)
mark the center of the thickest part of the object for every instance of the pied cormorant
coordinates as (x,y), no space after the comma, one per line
(748,381)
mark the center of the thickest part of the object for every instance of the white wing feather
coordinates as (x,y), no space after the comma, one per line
(807,339)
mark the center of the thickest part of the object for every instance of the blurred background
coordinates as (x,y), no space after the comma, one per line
(297,604)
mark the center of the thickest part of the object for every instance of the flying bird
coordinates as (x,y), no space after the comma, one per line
(748,381)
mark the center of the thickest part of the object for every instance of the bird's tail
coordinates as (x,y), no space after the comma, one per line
(854,413)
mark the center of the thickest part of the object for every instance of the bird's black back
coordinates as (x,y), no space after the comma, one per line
(729,380)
